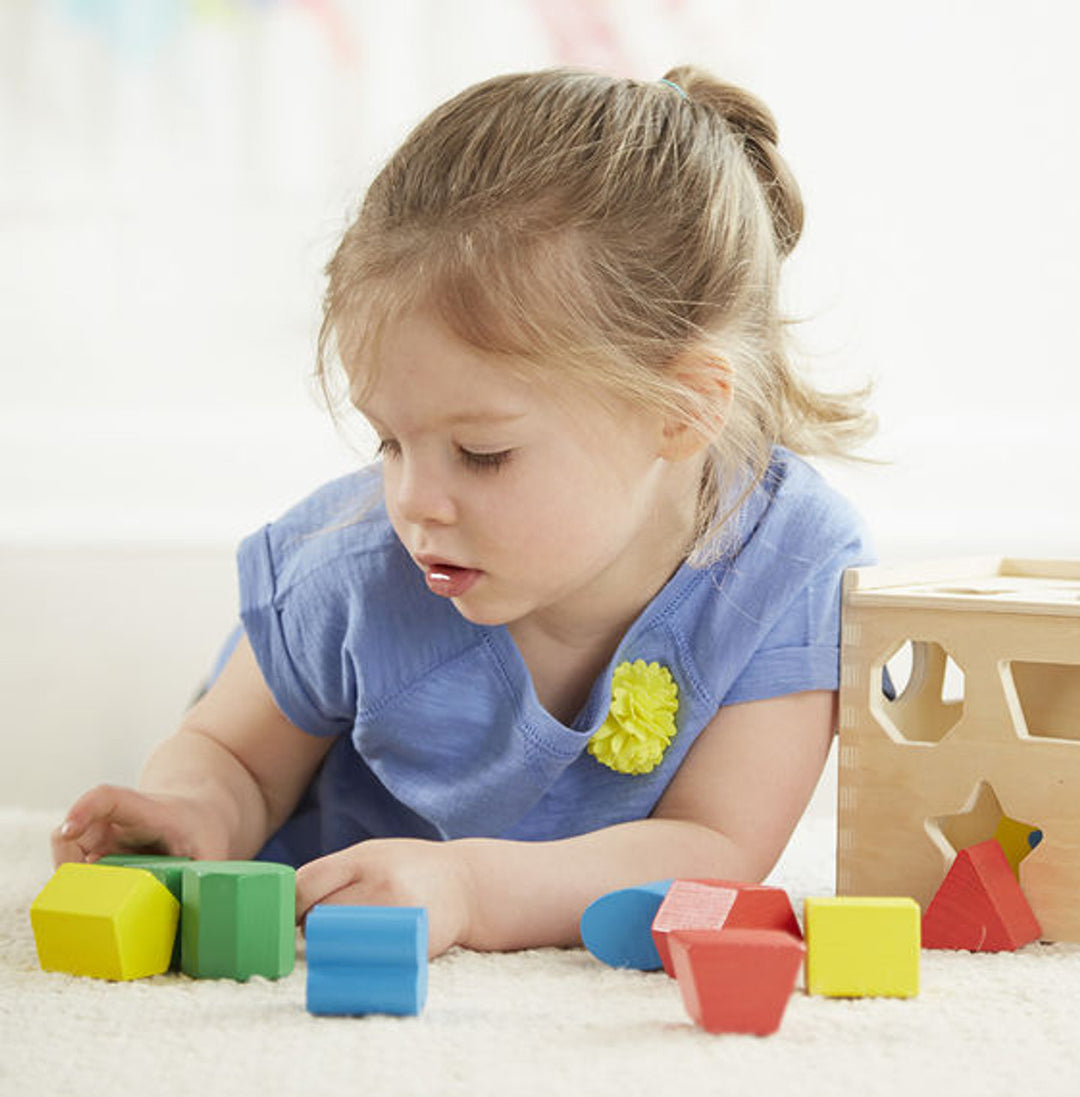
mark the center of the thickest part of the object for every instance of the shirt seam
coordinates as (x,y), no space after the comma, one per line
(529,730)
(388,700)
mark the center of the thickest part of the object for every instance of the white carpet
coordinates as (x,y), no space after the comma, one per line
(546,1022)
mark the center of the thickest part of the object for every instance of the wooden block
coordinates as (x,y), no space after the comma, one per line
(238,919)
(1017,840)
(862,947)
(720,904)
(104,921)
(980,906)
(736,980)
(366,960)
(164,869)
(617,927)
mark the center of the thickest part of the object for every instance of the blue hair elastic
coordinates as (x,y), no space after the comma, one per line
(672,84)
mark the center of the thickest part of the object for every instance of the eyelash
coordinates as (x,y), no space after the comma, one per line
(478,462)
(484,462)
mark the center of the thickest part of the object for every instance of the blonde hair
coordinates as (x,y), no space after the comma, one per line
(618,232)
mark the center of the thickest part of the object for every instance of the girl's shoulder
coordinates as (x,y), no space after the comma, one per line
(780,586)
(335,555)
(341,525)
(796,514)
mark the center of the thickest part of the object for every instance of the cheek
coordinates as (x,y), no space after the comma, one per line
(557,520)
(519,518)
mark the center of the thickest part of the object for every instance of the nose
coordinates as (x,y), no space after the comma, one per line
(420,492)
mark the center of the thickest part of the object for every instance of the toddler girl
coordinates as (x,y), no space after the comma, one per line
(578,628)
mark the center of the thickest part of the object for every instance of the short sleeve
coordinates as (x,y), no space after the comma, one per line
(801,651)
(298,641)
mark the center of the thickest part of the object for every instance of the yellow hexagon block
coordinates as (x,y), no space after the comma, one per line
(862,947)
(106,922)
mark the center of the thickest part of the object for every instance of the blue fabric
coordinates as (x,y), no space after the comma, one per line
(440,733)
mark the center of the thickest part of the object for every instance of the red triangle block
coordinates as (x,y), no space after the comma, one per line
(736,980)
(720,904)
(979,905)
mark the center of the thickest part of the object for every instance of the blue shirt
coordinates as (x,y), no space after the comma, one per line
(439,732)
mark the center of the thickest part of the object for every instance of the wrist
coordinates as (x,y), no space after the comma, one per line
(468,915)
(521,895)
(224,810)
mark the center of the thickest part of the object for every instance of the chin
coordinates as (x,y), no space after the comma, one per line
(475,614)
(480,614)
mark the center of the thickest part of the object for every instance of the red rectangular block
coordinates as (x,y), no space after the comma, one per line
(736,980)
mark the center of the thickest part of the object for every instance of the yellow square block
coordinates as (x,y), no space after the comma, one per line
(862,947)
(104,921)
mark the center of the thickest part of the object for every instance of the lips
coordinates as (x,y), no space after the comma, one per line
(448,580)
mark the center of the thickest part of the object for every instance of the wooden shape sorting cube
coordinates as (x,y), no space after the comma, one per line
(736,980)
(720,904)
(617,927)
(862,947)
(164,869)
(238,919)
(366,960)
(979,905)
(104,921)
(910,765)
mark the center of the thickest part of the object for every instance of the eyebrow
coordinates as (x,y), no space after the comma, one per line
(465,417)
(486,417)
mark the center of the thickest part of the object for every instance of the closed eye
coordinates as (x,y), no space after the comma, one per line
(484,462)
(390,448)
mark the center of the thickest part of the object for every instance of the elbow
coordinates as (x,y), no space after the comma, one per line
(715,855)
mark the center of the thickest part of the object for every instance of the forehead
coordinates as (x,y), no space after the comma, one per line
(421,365)
(404,349)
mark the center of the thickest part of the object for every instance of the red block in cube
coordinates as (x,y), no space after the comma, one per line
(979,905)
(720,904)
(736,980)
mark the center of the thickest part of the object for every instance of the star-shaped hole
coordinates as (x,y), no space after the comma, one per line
(982,818)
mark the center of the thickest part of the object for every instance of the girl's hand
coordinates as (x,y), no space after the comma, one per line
(395,872)
(109,819)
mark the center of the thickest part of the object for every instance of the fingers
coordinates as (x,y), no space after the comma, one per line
(378,872)
(89,844)
(318,880)
(65,849)
(440,936)
(107,819)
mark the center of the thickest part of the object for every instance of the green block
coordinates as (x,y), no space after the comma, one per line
(165,869)
(238,919)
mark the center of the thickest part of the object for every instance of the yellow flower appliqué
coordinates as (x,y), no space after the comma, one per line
(641,723)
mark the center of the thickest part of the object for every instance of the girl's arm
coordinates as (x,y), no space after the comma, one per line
(727,814)
(218,788)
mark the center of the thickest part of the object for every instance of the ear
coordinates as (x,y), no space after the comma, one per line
(706,383)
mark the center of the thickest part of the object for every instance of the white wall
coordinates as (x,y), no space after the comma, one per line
(172,183)
(173,176)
